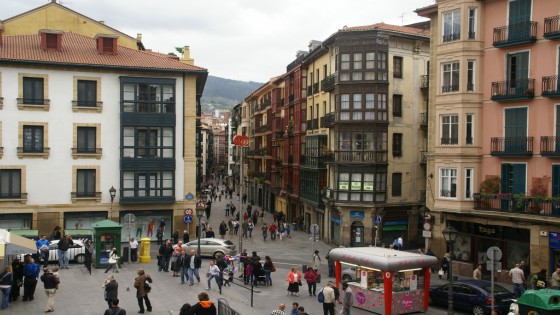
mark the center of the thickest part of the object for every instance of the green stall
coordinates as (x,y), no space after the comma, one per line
(106,236)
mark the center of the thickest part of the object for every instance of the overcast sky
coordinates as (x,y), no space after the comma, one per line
(250,40)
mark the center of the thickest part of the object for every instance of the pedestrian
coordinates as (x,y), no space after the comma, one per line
(555,279)
(165,252)
(288,230)
(143,286)
(111,291)
(210,233)
(347,299)
(272,228)
(63,246)
(159,236)
(17,269)
(281,230)
(50,283)
(477,273)
(301,311)
(310,277)
(113,261)
(279,310)
(227,209)
(400,243)
(186,237)
(114,309)
(43,249)
(235,226)
(223,228)
(316,261)
(264,231)
(6,282)
(213,273)
(175,259)
(445,265)
(294,281)
(330,264)
(204,306)
(133,250)
(518,280)
(244,228)
(248,278)
(31,274)
(194,262)
(250,228)
(268,268)
(56,233)
(175,237)
(329,299)
(185,309)
(538,280)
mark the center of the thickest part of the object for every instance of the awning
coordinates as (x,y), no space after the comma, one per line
(14,244)
(382,258)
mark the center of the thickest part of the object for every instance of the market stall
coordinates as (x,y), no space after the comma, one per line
(386,281)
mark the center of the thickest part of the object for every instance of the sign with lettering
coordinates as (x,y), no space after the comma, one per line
(356,186)
(368,186)
(357,215)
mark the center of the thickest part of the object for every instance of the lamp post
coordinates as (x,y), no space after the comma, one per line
(450,235)
(200,207)
(112,193)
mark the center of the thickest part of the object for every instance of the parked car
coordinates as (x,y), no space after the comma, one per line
(212,247)
(349,274)
(473,296)
(76,252)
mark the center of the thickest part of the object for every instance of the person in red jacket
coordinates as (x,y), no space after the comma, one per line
(272,229)
(310,277)
(203,307)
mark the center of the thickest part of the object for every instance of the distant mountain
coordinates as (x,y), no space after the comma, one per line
(220,93)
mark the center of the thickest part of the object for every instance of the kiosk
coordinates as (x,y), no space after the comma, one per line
(387,281)
(106,236)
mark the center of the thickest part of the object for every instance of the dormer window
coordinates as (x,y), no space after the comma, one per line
(106,44)
(51,39)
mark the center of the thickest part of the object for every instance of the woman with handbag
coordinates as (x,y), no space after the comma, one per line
(143,287)
(111,291)
(113,261)
(294,281)
(268,268)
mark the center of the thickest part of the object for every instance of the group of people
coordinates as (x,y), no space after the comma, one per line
(143,285)
(522,279)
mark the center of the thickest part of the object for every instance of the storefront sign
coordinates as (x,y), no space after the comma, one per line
(554,240)
(487,230)
(356,186)
(368,186)
(343,185)
(336,220)
(357,215)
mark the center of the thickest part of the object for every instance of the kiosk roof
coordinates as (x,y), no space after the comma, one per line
(382,258)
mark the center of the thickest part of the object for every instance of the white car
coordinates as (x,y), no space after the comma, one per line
(212,247)
(76,252)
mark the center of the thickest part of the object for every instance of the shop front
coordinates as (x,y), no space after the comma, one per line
(82,220)
(474,239)
(16,221)
(554,244)
(147,223)
(386,281)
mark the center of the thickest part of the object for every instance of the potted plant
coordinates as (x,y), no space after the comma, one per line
(489,188)
(539,192)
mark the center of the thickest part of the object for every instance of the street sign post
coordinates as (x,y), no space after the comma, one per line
(128,221)
(377,223)
(495,254)
(189,211)
(314,228)
(188,219)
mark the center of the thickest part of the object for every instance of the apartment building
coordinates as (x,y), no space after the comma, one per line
(492,159)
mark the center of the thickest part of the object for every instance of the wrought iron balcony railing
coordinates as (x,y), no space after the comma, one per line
(515,34)
(361,156)
(327,84)
(327,121)
(552,27)
(518,203)
(550,146)
(513,90)
(511,146)
(551,86)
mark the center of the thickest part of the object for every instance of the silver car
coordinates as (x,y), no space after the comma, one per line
(76,252)
(212,247)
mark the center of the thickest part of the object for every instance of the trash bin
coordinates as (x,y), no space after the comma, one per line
(542,302)
(125,253)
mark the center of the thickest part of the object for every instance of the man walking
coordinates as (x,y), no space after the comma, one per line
(329,300)
(31,273)
(279,311)
(214,272)
(347,299)
(43,249)
(518,279)
(555,279)
(194,262)
(165,252)
(50,282)
(63,246)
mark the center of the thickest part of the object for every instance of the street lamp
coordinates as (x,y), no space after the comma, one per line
(450,235)
(200,208)
(112,193)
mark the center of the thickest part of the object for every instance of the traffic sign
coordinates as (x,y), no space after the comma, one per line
(496,251)
(189,196)
(188,219)
(427,226)
(427,234)
(189,212)
(377,219)
(427,216)
(497,265)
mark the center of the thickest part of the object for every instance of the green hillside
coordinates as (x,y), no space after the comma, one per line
(220,93)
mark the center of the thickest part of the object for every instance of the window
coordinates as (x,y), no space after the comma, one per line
(344,61)
(382,66)
(344,101)
(397,67)
(381,106)
(33,91)
(397,105)
(449,129)
(86,139)
(470,75)
(148,184)
(469,129)
(148,98)
(397,144)
(10,183)
(357,101)
(85,183)
(451,25)
(357,61)
(448,180)
(87,93)
(450,77)
(472,23)
(518,71)
(143,142)
(513,178)
(469,183)
(370,60)
(396,189)
(367,186)
(33,139)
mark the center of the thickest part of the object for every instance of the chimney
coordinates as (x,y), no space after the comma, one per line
(106,44)
(139,43)
(187,56)
(51,39)
(314,44)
